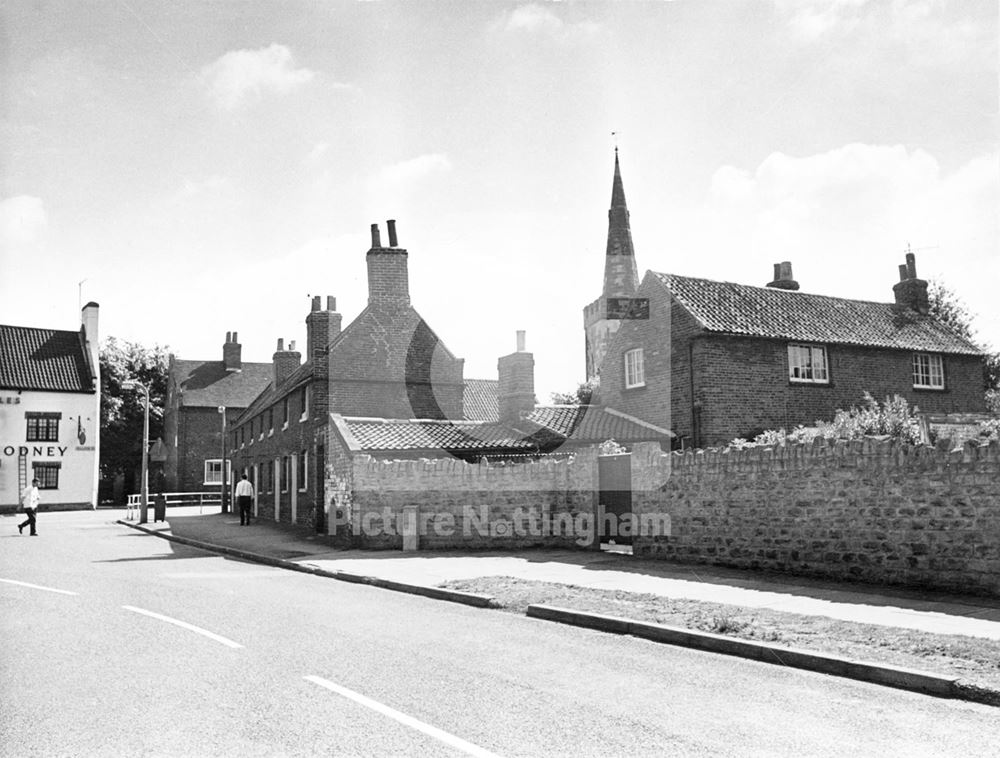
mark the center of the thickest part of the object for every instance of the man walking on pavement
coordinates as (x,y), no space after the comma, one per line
(29,501)
(244,497)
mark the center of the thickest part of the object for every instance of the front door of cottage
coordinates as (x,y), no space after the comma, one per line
(614,475)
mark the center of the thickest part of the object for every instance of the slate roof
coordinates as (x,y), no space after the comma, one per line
(595,424)
(208,384)
(479,400)
(418,435)
(784,314)
(270,394)
(44,359)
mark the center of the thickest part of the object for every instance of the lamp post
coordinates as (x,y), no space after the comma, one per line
(144,486)
(222,410)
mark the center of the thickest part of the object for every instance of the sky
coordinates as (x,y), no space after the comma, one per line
(200,168)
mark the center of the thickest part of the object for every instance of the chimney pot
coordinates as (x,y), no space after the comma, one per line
(291,345)
(235,338)
(783,277)
(317,302)
(281,344)
(903,272)
(911,266)
(331,303)
(520,340)
(376,237)
(229,337)
(391,223)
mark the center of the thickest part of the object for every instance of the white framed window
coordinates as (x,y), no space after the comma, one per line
(305,404)
(635,370)
(807,363)
(928,371)
(213,471)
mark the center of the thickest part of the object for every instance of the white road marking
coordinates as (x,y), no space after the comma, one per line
(183,625)
(38,587)
(449,739)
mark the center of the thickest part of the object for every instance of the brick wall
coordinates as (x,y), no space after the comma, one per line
(872,511)
(199,438)
(460,505)
(388,363)
(297,439)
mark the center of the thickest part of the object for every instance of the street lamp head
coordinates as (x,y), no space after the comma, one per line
(222,409)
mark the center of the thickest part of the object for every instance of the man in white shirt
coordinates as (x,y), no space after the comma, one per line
(244,499)
(29,501)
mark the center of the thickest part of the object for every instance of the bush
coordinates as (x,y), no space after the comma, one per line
(893,418)
(990,430)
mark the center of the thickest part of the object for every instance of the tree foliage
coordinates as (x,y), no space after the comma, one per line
(948,308)
(122,409)
(582,396)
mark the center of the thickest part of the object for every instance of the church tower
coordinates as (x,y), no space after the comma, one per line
(621,280)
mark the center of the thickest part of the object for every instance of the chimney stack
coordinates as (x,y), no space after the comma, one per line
(388,277)
(232,353)
(322,327)
(285,362)
(783,277)
(516,390)
(910,291)
(391,223)
(89,321)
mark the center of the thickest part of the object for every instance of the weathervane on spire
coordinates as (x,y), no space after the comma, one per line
(615,135)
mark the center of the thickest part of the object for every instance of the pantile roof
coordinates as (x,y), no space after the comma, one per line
(418,435)
(208,384)
(44,359)
(595,424)
(479,400)
(785,314)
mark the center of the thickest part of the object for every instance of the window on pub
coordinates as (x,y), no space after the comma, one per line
(807,364)
(47,474)
(635,370)
(213,471)
(302,471)
(43,427)
(928,371)
(286,471)
(284,413)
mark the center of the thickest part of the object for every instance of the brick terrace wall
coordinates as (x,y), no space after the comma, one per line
(298,437)
(872,511)
(744,389)
(199,438)
(545,491)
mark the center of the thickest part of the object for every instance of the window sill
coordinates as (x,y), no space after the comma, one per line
(923,388)
(635,387)
(806,383)
(284,426)
(270,433)
(303,418)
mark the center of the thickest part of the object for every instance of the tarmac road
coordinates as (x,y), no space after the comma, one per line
(163,649)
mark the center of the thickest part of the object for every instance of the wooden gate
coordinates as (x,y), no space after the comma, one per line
(614,475)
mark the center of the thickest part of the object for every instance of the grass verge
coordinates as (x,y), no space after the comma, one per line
(975,660)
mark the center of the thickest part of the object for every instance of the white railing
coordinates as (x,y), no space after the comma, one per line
(200,499)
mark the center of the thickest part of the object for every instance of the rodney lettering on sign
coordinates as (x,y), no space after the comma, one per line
(49,451)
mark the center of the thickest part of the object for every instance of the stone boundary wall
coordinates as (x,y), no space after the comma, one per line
(446,503)
(871,510)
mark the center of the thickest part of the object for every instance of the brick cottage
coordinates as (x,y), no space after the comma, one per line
(712,361)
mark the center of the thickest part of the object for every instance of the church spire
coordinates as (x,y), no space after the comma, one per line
(621,276)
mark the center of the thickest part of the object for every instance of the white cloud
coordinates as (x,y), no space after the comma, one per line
(318,151)
(930,32)
(405,174)
(245,76)
(207,186)
(539,19)
(22,222)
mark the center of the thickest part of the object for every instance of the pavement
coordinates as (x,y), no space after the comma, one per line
(934,612)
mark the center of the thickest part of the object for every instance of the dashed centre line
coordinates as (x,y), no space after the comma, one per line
(449,739)
(184,625)
(38,587)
